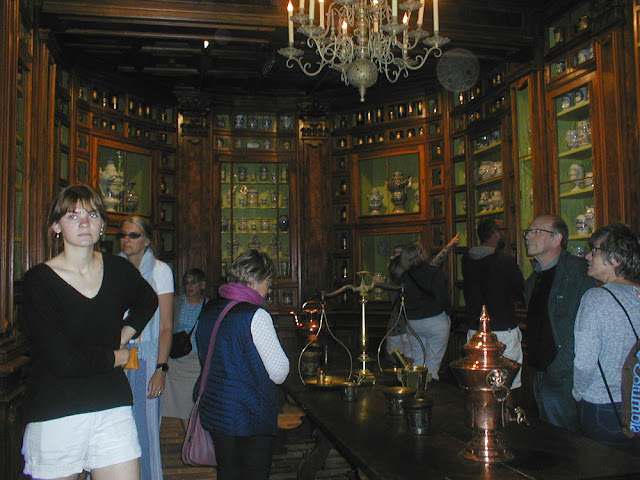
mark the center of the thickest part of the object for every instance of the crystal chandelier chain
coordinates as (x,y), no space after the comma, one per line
(362,38)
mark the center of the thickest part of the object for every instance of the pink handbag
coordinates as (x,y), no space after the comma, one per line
(197,448)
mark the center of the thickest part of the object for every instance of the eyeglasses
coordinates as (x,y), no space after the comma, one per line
(594,250)
(131,235)
(536,231)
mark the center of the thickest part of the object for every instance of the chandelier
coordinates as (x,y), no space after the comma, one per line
(361,38)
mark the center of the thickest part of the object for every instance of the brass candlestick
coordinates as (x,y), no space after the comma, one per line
(364,375)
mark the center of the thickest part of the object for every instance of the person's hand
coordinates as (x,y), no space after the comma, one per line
(121,356)
(455,240)
(156,384)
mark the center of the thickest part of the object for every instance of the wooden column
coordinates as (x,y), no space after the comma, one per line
(195,211)
(315,198)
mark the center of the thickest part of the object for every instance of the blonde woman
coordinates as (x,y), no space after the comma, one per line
(148,381)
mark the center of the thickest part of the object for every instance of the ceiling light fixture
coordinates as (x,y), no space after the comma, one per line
(361,38)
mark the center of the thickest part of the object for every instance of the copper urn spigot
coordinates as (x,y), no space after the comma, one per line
(486,376)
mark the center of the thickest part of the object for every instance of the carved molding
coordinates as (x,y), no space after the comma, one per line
(605,13)
(314,119)
(194,126)
(191,100)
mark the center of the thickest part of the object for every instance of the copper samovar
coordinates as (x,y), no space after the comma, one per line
(487,377)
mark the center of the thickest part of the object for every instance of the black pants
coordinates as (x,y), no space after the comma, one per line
(243,458)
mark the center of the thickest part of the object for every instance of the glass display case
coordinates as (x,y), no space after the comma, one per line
(573,114)
(486,162)
(255,212)
(124,177)
(375,252)
(521,102)
(389,184)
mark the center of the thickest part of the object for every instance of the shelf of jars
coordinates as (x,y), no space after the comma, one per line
(397,111)
(486,162)
(255,212)
(568,29)
(567,63)
(102,99)
(250,122)
(575,165)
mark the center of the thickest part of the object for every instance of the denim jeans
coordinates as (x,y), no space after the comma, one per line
(555,402)
(434,334)
(600,423)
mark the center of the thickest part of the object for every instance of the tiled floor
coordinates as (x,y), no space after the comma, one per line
(285,461)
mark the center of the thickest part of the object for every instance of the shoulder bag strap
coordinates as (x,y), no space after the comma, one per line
(606,384)
(198,319)
(625,311)
(212,342)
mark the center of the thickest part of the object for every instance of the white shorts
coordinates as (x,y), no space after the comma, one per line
(68,445)
(512,338)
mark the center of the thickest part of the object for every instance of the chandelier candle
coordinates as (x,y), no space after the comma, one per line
(290,13)
(436,19)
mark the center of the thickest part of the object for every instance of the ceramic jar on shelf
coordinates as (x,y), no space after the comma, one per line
(582,227)
(131,198)
(375,201)
(576,175)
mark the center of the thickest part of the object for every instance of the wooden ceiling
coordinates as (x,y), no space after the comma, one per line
(160,43)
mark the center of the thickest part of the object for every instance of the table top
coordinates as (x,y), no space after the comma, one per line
(383,447)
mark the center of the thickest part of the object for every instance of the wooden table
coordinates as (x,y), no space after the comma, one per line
(382,447)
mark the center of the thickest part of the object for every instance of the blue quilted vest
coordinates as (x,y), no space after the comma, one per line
(239,398)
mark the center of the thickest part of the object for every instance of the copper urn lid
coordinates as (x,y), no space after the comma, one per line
(484,367)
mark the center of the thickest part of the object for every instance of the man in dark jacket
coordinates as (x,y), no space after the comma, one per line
(552,294)
(493,279)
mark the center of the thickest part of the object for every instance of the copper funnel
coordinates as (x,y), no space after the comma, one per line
(486,376)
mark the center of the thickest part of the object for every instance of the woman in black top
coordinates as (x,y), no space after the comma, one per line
(74,306)
(425,301)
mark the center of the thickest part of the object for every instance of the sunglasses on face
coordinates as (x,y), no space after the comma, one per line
(131,235)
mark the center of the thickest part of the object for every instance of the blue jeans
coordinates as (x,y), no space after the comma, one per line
(434,334)
(555,402)
(600,423)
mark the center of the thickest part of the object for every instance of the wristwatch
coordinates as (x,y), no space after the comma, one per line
(163,366)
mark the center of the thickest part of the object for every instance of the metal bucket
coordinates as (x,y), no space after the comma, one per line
(417,411)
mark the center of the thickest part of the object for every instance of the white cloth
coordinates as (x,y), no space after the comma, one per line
(268,345)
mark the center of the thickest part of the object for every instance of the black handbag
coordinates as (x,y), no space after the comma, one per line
(181,344)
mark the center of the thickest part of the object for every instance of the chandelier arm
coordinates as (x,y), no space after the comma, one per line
(305,67)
